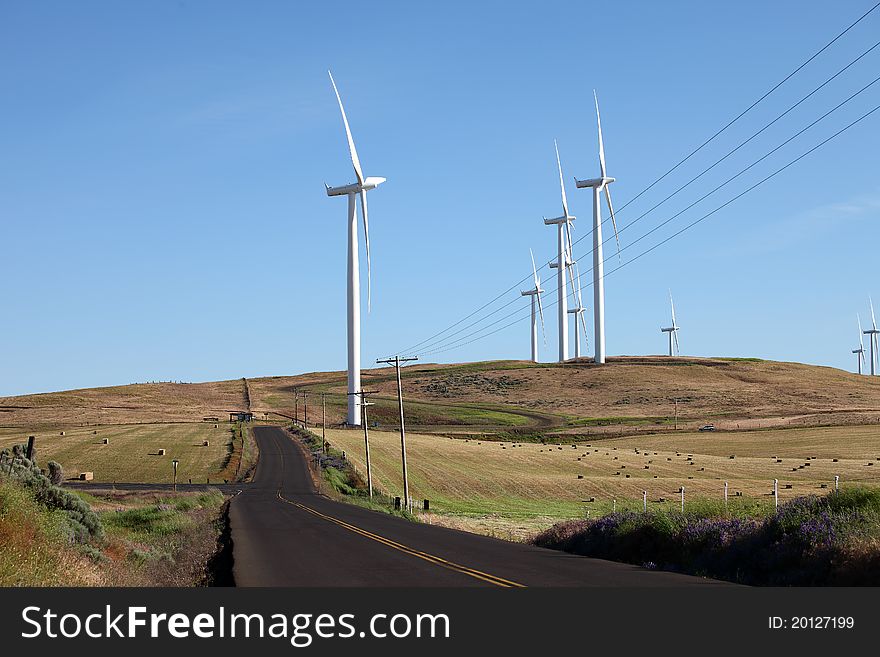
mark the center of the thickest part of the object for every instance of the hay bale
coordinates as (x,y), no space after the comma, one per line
(161,452)
(62,433)
(206,443)
(106,441)
(86,476)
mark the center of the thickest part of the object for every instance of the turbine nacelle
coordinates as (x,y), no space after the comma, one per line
(559,220)
(371,182)
(598,183)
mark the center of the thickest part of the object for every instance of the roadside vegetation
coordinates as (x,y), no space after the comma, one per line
(340,479)
(50,536)
(812,540)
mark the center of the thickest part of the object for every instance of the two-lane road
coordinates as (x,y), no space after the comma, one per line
(286,534)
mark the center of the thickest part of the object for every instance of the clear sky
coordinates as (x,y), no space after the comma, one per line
(161,179)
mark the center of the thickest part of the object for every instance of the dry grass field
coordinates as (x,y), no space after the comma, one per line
(132,452)
(629,394)
(541,482)
(131,404)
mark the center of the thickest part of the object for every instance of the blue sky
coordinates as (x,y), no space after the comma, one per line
(164,217)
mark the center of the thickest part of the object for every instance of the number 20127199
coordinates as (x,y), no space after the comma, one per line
(811,623)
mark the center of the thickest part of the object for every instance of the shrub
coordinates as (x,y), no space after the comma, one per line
(82,523)
(56,472)
(810,540)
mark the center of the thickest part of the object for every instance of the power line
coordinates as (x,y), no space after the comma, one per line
(676,215)
(463,342)
(677,165)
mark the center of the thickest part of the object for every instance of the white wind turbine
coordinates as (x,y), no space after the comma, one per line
(535,293)
(598,185)
(860,358)
(872,338)
(353,191)
(563,242)
(672,330)
(578,312)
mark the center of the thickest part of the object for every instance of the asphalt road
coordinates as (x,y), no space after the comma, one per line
(286,534)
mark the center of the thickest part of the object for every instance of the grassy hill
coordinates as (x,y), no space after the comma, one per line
(798,423)
(628,394)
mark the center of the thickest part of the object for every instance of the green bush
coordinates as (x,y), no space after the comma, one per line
(82,523)
(56,473)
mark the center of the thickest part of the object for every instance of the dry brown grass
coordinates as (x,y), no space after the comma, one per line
(533,480)
(131,455)
(628,393)
(132,404)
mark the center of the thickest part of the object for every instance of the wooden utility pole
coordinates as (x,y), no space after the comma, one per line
(323,424)
(364,403)
(305,410)
(295,405)
(397,360)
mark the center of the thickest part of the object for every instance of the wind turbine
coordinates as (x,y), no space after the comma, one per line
(535,293)
(672,330)
(578,312)
(872,339)
(860,358)
(598,185)
(563,242)
(353,191)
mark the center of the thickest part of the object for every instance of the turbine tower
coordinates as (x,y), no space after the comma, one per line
(563,242)
(354,191)
(872,338)
(860,358)
(535,293)
(598,185)
(578,312)
(672,330)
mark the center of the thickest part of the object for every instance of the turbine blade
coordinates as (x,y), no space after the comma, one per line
(568,251)
(584,325)
(365,215)
(859,320)
(577,269)
(561,182)
(672,303)
(541,312)
(351,149)
(613,222)
(873,321)
(535,271)
(675,339)
(601,145)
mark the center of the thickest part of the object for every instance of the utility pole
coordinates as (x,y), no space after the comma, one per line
(295,405)
(364,403)
(323,424)
(305,410)
(397,360)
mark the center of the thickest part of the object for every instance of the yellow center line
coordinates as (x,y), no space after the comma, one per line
(472,572)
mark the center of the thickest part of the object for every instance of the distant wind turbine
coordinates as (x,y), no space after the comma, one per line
(598,185)
(535,293)
(563,243)
(860,358)
(353,191)
(672,330)
(872,339)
